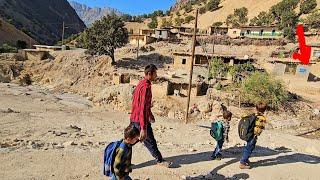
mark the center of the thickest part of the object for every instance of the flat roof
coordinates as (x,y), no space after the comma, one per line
(48,47)
(213,55)
(286,60)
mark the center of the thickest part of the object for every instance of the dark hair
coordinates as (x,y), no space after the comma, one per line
(261,107)
(151,68)
(226,114)
(131,132)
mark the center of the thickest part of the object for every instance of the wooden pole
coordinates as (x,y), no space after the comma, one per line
(138,45)
(191,64)
(62,33)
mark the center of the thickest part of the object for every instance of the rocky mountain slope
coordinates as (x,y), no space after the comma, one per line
(91,14)
(42,19)
(10,35)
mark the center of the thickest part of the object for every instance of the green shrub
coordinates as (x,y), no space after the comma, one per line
(218,68)
(213,5)
(239,69)
(188,19)
(262,87)
(5,48)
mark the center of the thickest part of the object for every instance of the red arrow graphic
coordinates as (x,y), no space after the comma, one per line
(305,51)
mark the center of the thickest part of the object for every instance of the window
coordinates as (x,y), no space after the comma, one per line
(273,32)
(184,61)
(261,32)
(160,33)
(248,32)
(316,53)
(234,32)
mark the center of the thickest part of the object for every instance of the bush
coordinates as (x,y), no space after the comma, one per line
(5,48)
(218,68)
(188,8)
(202,10)
(153,24)
(213,5)
(178,21)
(262,87)
(238,69)
(217,24)
(307,6)
(188,19)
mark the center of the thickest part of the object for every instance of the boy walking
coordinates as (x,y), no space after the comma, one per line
(122,161)
(225,129)
(141,115)
(259,125)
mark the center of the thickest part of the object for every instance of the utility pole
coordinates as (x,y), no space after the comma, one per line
(138,44)
(191,64)
(62,34)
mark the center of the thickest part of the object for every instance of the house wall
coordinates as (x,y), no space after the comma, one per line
(163,35)
(143,40)
(315,53)
(148,32)
(179,64)
(36,55)
(255,32)
(217,30)
(234,33)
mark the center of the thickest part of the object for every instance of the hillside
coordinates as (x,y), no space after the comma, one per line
(227,6)
(91,14)
(10,35)
(42,19)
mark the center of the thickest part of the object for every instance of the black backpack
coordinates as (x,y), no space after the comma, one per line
(246,127)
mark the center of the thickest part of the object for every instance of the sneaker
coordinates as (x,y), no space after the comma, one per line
(167,164)
(218,157)
(244,166)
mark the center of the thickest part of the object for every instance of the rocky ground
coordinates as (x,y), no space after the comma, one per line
(47,135)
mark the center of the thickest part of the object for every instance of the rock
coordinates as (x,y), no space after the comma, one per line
(192,150)
(75,127)
(9,110)
(87,175)
(316,112)
(69,143)
(59,133)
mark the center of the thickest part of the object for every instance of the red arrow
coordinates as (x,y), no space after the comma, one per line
(305,51)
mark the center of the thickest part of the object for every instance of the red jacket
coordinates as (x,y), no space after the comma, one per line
(141,104)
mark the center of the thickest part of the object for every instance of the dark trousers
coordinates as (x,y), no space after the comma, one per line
(247,151)
(150,142)
(217,150)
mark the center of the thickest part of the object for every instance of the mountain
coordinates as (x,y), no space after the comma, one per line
(89,14)
(10,35)
(42,19)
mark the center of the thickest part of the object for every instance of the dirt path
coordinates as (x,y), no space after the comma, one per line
(50,136)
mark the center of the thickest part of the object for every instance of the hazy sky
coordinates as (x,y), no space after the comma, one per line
(131,6)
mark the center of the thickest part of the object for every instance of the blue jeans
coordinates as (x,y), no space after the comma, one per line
(150,142)
(247,151)
(218,148)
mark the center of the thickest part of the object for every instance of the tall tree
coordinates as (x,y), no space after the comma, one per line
(105,36)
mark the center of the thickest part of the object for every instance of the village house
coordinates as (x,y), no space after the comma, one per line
(315,52)
(261,32)
(217,30)
(234,33)
(134,39)
(147,32)
(48,48)
(182,60)
(162,33)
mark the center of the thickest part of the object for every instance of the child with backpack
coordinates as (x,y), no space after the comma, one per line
(117,160)
(219,131)
(250,127)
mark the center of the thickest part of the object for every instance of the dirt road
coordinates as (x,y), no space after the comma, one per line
(61,136)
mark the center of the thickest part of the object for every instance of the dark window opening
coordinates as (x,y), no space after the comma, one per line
(184,61)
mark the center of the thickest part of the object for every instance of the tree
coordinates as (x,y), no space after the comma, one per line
(218,68)
(178,21)
(202,10)
(313,19)
(21,44)
(263,19)
(189,18)
(217,24)
(307,6)
(262,87)
(166,23)
(289,19)
(213,5)
(105,36)
(289,33)
(154,23)
(238,18)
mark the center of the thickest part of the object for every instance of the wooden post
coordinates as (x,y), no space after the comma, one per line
(138,44)
(62,33)
(191,64)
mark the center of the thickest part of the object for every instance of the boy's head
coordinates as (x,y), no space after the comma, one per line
(261,107)
(150,72)
(131,135)
(227,115)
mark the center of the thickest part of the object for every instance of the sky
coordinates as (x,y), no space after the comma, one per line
(133,7)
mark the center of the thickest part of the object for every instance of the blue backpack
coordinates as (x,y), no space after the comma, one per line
(216,130)
(109,156)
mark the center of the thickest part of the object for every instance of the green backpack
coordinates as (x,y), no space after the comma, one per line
(216,130)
